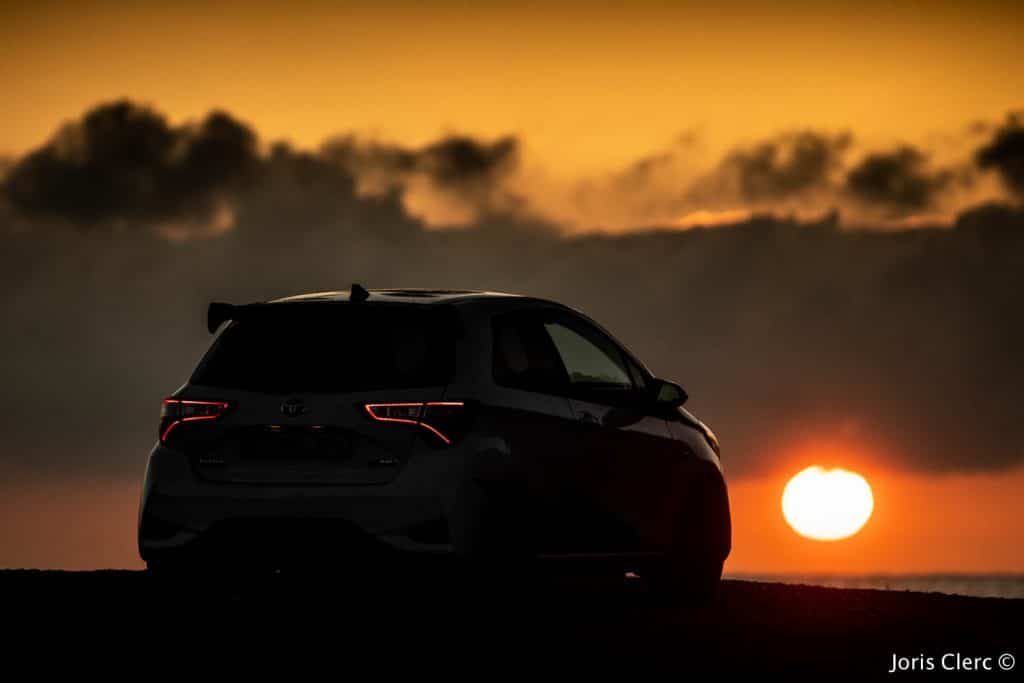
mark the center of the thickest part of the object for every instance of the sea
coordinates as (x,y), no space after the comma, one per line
(975,585)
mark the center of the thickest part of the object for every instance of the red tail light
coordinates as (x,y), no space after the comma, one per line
(176,411)
(440,418)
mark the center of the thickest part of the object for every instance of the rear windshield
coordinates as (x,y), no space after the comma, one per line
(332,348)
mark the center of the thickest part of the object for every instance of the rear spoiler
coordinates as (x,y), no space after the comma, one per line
(219,313)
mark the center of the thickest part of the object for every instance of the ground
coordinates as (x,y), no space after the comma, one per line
(436,622)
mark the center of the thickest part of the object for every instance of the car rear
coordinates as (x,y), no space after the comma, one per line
(326,419)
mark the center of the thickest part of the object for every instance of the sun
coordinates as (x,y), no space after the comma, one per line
(827,505)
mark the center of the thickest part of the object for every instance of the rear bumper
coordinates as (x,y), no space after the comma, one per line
(178,509)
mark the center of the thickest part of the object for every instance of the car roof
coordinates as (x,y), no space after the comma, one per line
(220,312)
(402,295)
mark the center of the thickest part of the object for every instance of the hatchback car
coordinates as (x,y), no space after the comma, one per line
(489,426)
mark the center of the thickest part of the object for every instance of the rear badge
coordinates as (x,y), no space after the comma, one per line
(293,407)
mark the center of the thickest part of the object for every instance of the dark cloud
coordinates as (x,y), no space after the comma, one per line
(456,168)
(462,160)
(1005,153)
(787,166)
(905,342)
(125,162)
(898,179)
(455,162)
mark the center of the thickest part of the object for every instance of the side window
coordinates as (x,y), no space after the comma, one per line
(594,363)
(524,357)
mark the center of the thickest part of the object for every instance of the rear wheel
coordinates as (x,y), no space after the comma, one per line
(176,570)
(685,580)
(192,564)
(490,533)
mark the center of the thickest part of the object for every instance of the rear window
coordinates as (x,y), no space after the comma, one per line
(332,348)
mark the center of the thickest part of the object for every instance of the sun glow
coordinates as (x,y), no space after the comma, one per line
(827,505)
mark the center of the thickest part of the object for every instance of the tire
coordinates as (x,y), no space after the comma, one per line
(176,565)
(191,564)
(686,581)
(488,533)
(175,575)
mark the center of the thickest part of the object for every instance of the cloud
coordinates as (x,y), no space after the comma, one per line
(125,163)
(790,173)
(804,173)
(783,330)
(792,164)
(449,182)
(648,191)
(898,179)
(1005,153)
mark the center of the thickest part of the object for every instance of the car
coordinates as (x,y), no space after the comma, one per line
(485,426)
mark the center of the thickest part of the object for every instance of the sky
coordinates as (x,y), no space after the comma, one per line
(808,214)
(590,85)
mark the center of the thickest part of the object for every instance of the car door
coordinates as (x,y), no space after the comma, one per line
(526,405)
(624,456)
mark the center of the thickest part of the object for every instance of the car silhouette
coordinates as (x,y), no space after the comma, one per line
(492,427)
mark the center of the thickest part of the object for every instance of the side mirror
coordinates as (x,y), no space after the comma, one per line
(668,394)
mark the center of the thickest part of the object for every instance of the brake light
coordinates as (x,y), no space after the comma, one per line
(437,417)
(176,411)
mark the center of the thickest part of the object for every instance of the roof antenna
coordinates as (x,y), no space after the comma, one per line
(358,293)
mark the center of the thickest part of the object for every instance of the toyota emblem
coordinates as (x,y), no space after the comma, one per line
(293,407)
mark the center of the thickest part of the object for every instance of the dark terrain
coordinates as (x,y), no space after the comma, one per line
(436,622)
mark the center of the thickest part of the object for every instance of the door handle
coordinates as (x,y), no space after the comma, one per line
(588,417)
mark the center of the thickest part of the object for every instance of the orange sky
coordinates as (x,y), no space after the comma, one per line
(588,87)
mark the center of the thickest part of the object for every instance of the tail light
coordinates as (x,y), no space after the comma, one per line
(445,420)
(177,411)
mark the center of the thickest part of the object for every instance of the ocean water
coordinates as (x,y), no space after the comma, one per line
(976,585)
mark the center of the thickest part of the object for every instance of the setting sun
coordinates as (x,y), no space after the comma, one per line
(827,505)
